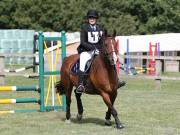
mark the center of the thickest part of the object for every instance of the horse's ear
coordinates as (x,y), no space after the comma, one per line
(114,33)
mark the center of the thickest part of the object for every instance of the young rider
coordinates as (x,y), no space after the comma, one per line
(90,43)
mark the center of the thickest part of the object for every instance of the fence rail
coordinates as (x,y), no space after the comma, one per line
(151,57)
(153,77)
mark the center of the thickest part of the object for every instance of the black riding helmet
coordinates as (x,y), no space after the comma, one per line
(92,14)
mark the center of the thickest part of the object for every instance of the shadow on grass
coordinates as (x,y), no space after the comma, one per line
(96,121)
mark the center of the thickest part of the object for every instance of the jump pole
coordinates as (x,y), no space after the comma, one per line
(40,89)
(43,74)
(127,58)
(63,49)
(18,100)
(41,71)
(19,88)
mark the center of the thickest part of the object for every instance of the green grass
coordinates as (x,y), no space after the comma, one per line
(171,74)
(142,110)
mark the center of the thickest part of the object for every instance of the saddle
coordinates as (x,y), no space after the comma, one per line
(89,88)
(76,65)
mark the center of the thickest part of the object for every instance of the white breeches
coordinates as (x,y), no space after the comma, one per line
(84,57)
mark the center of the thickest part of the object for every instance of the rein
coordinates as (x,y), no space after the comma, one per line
(104,50)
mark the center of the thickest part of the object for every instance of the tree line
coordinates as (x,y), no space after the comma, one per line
(128,17)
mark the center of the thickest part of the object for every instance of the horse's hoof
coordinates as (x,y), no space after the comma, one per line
(68,121)
(119,126)
(79,117)
(108,123)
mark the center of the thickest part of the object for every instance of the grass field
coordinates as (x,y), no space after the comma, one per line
(142,109)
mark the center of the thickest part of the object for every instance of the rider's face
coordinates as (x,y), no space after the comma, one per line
(92,20)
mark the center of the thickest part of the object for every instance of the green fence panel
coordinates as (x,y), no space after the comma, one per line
(23,34)
(6,50)
(16,34)
(27,34)
(29,43)
(7,60)
(14,44)
(15,50)
(28,60)
(8,34)
(2,35)
(21,60)
(22,50)
(6,44)
(30,34)
(21,43)
(29,50)
(13,60)
(17,41)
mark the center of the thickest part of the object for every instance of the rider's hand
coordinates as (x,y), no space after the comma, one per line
(96,52)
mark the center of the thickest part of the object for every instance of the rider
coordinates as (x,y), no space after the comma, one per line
(90,43)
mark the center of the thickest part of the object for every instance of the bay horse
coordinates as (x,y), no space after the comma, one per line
(102,80)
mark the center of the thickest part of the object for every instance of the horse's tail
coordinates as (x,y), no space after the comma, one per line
(60,88)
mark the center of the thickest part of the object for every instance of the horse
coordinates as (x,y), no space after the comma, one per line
(102,80)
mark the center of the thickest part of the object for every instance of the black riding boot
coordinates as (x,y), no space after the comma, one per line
(121,84)
(80,87)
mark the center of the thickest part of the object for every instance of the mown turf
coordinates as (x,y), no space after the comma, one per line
(142,110)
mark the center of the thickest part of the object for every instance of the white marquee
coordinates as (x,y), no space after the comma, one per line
(140,43)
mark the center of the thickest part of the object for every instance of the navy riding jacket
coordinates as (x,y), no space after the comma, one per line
(90,37)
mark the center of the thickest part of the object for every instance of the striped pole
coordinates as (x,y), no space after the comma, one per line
(16,111)
(158,49)
(127,59)
(18,100)
(7,111)
(18,88)
(20,69)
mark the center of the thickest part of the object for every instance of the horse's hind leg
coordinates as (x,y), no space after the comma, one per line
(68,103)
(79,105)
(108,102)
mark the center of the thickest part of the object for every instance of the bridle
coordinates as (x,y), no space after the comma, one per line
(105,51)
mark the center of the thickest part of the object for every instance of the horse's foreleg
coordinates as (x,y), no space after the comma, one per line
(108,113)
(115,115)
(108,102)
(108,117)
(79,105)
(114,112)
(68,104)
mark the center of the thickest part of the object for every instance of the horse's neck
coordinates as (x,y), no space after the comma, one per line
(110,70)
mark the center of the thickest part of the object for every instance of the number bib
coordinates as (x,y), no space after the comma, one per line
(94,37)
